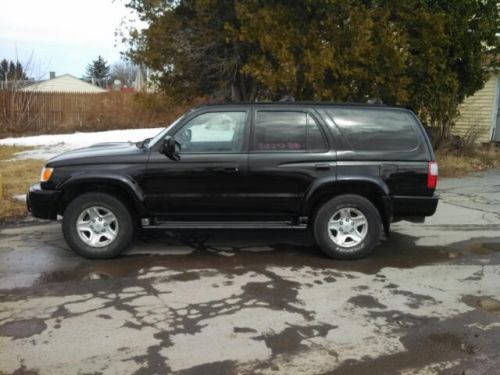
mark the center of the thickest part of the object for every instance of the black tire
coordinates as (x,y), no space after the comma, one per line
(124,235)
(328,209)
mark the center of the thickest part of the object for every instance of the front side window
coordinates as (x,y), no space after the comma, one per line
(213,132)
(280,131)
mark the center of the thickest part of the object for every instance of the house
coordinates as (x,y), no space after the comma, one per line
(479,113)
(65,83)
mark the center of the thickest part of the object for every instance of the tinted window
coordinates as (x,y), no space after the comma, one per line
(287,131)
(376,129)
(280,131)
(315,139)
(213,132)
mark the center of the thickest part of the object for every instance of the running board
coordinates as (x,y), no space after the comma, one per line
(225,225)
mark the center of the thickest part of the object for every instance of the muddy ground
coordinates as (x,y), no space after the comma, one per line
(227,302)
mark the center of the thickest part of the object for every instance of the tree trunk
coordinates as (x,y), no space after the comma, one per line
(244,88)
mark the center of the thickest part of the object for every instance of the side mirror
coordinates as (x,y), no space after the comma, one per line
(168,148)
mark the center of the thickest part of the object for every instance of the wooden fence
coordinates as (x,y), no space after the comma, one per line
(36,113)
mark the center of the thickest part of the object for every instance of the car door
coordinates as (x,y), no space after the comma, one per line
(289,150)
(209,180)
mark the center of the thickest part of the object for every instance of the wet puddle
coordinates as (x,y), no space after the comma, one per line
(484,303)
(295,252)
(447,340)
(233,252)
(489,304)
(485,248)
(23,328)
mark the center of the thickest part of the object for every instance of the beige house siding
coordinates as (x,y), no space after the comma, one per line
(478,112)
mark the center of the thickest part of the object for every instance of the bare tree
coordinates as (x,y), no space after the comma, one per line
(125,72)
(16,102)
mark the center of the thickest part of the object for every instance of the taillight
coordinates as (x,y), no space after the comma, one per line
(432,175)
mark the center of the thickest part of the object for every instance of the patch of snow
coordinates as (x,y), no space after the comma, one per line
(50,145)
(20,197)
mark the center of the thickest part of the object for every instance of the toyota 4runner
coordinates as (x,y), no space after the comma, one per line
(343,171)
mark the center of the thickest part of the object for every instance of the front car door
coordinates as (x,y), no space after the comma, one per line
(209,180)
(289,150)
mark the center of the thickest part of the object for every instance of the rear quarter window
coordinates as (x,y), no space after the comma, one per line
(376,129)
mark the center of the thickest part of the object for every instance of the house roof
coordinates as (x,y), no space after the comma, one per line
(64,83)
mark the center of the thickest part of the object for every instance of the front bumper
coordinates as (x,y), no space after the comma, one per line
(413,206)
(42,203)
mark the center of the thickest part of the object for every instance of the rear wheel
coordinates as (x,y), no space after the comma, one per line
(347,227)
(97,226)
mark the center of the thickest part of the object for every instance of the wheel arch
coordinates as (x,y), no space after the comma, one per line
(121,187)
(372,188)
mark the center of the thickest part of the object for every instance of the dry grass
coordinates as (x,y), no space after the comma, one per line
(453,164)
(15,178)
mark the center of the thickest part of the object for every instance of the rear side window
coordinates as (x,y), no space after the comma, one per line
(376,129)
(287,131)
(315,138)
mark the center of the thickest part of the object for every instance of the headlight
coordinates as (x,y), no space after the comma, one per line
(46,174)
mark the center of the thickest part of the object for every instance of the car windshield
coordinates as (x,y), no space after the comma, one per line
(162,133)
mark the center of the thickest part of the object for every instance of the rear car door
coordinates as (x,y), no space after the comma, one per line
(289,149)
(210,177)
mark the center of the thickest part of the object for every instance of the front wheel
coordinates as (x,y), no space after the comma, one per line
(347,227)
(97,226)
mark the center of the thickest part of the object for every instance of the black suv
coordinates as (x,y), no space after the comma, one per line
(344,171)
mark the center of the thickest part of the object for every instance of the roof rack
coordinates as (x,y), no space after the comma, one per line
(287,99)
(375,101)
(304,103)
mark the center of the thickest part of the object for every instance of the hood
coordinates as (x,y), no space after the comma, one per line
(99,153)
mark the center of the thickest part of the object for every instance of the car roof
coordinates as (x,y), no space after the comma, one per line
(302,103)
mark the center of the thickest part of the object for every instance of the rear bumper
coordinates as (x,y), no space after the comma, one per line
(412,206)
(42,203)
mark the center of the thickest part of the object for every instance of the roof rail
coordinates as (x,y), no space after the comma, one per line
(286,98)
(374,101)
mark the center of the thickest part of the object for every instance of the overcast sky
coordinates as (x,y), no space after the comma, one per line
(62,35)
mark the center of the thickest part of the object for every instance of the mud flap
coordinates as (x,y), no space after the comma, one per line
(387,228)
(387,216)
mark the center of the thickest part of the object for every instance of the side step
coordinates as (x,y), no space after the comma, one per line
(225,225)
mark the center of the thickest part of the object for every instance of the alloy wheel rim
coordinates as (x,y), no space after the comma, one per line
(347,227)
(97,226)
